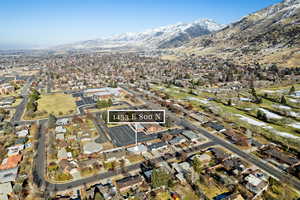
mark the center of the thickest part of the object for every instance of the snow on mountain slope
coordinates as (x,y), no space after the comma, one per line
(270,35)
(162,37)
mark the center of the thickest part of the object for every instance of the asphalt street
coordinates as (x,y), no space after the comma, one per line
(39,172)
(39,168)
(281,175)
(21,107)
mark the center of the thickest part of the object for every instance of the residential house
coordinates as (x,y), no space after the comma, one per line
(62,122)
(232,164)
(66,166)
(60,136)
(192,136)
(8,175)
(152,128)
(147,174)
(107,190)
(182,170)
(237,138)
(14,150)
(256,184)
(11,162)
(22,133)
(62,154)
(177,140)
(219,154)
(116,154)
(204,158)
(198,117)
(21,140)
(129,182)
(215,126)
(281,156)
(157,146)
(60,129)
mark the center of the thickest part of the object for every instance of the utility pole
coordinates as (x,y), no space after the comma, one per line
(136,131)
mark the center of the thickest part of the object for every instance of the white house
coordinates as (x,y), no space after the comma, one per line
(60,129)
(22,133)
(14,150)
(255,184)
(62,122)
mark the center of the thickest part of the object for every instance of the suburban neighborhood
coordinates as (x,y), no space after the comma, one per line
(186,111)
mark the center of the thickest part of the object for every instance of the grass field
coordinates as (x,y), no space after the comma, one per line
(230,112)
(170,57)
(58,104)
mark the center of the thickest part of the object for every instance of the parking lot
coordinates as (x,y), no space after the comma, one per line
(124,135)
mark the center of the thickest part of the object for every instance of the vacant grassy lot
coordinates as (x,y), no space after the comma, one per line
(212,190)
(58,104)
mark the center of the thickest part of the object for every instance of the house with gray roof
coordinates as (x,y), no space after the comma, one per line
(177,140)
(191,135)
(8,175)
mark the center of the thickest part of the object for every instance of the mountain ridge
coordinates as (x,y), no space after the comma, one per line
(161,37)
(270,35)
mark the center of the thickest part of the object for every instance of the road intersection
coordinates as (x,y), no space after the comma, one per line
(39,166)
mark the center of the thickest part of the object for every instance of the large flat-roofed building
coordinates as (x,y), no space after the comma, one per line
(103,93)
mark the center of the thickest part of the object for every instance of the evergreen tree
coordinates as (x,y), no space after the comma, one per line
(51,121)
(292,90)
(229,103)
(197,165)
(104,117)
(159,178)
(109,102)
(98,196)
(261,115)
(283,100)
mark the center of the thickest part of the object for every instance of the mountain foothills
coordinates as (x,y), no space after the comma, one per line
(271,35)
(162,37)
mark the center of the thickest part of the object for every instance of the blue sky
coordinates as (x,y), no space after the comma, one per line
(31,23)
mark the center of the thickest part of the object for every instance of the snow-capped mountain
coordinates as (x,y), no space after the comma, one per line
(162,37)
(270,35)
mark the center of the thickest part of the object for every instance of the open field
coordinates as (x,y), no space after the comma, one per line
(212,190)
(57,104)
(170,57)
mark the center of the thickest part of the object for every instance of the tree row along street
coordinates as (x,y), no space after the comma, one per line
(39,168)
